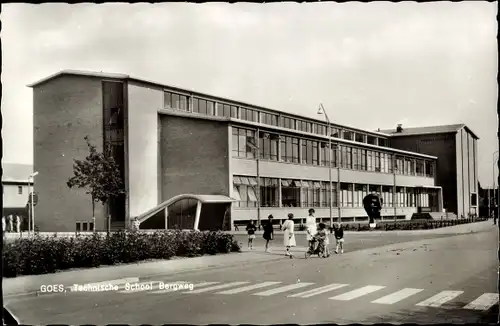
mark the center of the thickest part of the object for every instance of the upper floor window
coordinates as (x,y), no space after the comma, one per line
(175,101)
(268,146)
(383,142)
(203,106)
(289,149)
(226,110)
(309,152)
(335,132)
(269,119)
(249,115)
(370,140)
(286,122)
(20,190)
(243,143)
(429,169)
(360,137)
(348,135)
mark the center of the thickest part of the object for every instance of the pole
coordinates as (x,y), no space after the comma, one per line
(394,168)
(257,144)
(33,207)
(338,182)
(330,149)
(29,206)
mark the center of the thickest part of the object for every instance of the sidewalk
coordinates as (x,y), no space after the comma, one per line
(456,229)
(30,284)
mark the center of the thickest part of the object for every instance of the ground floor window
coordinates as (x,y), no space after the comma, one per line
(244,190)
(269,192)
(290,193)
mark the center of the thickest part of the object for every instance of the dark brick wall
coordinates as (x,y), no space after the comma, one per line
(444,147)
(66,109)
(194,157)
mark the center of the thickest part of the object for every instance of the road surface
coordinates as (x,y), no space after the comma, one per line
(449,279)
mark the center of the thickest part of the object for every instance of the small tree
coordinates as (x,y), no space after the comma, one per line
(99,175)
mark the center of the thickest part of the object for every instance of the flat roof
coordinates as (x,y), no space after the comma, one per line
(140,80)
(442,129)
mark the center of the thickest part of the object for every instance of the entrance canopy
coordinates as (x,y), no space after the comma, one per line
(189,211)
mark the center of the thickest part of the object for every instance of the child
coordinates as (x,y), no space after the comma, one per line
(339,236)
(251,234)
(321,238)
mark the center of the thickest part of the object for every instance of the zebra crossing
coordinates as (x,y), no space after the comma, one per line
(304,290)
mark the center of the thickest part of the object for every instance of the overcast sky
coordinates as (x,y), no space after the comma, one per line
(372,65)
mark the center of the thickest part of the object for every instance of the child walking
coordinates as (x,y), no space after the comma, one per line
(251,228)
(339,236)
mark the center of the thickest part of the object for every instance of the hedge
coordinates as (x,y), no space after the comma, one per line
(42,255)
(410,224)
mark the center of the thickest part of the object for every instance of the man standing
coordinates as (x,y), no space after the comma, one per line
(372,205)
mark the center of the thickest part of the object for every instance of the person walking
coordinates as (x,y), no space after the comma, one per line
(251,228)
(339,237)
(311,227)
(268,232)
(289,235)
(18,224)
(4,225)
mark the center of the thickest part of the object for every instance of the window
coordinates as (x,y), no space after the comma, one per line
(269,119)
(287,122)
(91,226)
(335,132)
(382,142)
(311,194)
(226,110)
(325,194)
(203,106)
(182,213)
(78,227)
(175,101)
(419,168)
(363,159)
(345,157)
(412,167)
(429,169)
(322,130)
(244,189)
(268,146)
(369,161)
(249,115)
(371,140)
(473,199)
(19,190)
(360,191)
(290,193)
(349,135)
(84,226)
(377,161)
(309,152)
(390,158)
(399,165)
(346,190)
(400,197)
(387,195)
(243,143)
(269,192)
(360,137)
(410,197)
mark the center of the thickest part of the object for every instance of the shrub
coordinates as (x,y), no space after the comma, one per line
(41,255)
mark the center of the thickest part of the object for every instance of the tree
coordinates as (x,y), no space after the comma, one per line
(99,175)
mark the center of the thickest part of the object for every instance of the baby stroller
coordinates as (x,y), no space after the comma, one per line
(317,247)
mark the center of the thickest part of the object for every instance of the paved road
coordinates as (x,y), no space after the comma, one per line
(424,281)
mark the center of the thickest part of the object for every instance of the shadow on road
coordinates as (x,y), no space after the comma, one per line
(453,314)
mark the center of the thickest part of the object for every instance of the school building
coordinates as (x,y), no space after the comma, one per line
(190,159)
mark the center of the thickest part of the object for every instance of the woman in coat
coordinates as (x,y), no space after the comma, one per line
(289,236)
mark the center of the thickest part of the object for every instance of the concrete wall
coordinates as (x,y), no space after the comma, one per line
(443,146)
(241,166)
(12,198)
(194,156)
(142,147)
(65,110)
(466,172)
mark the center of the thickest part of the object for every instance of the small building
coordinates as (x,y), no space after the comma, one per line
(170,141)
(15,190)
(455,146)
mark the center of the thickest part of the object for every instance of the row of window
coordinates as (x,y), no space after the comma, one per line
(290,149)
(202,106)
(301,193)
(84,226)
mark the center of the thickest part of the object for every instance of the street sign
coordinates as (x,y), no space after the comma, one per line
(35,198)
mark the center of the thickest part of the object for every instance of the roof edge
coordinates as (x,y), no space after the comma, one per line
(78,73)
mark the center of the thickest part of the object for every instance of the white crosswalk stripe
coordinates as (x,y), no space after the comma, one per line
(248,288)
(397,296)
(217,287)
(357,293)
(195,285)
(440,298)
(484,302)
(317,291)
(283,289)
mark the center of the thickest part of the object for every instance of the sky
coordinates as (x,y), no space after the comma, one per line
(372,65)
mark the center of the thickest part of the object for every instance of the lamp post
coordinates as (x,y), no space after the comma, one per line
(31,218)
(321,110)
